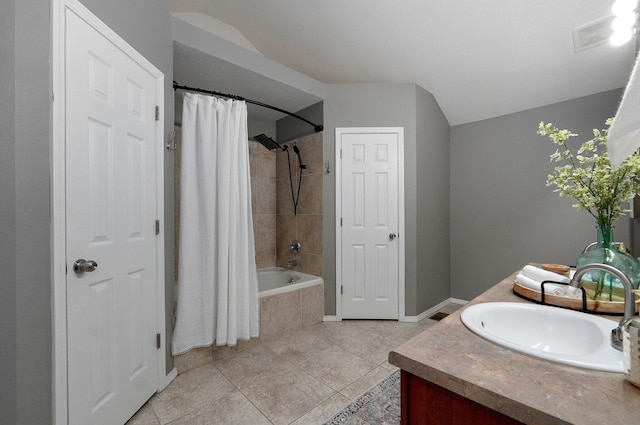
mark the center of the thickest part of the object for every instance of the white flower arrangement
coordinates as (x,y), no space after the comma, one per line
(588,177)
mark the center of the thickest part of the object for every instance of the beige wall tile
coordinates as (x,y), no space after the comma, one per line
(284,202)
(312,301)
(312,264)
(310,233)
(282,165)
(286,229)
(264,230)
(308,230)
(253,158)
(286,232)
(311,194)
(264,191)
(311,152)
(265,163)
(254,198)
(279,313)
(265,258)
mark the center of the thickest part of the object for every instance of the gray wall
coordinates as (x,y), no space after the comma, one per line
(259,125)
(8,300)
(394,105)
(30,273)
(502,214)
(290,128)
(432,193)
(25,356)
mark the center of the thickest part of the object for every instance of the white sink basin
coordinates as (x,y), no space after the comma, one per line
(551,333)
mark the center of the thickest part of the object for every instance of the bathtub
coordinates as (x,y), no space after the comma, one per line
(275,280)
(289,301)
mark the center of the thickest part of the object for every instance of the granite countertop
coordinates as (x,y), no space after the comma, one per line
(525,388)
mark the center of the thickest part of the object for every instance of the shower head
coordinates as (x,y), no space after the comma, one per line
(267,142)
(297,151)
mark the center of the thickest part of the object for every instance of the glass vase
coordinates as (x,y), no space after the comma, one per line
(601,285)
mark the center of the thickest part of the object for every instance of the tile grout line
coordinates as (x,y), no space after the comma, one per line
(326,335)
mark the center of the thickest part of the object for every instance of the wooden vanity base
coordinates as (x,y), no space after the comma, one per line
(423,402)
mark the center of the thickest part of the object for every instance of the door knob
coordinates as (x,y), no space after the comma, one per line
(392,236)
(81,265)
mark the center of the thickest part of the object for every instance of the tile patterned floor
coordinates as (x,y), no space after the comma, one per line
(301,378)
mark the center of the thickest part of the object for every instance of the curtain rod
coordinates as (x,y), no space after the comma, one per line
(316,128)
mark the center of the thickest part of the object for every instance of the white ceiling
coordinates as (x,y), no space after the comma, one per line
(480,59)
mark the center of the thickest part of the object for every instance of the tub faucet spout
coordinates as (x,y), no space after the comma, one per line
(292,263)
(629,296)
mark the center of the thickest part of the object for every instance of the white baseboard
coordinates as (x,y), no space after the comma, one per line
(168,379)
(419,317)
(432,310)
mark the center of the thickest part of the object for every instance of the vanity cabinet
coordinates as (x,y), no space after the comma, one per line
(423,402)
(452,376)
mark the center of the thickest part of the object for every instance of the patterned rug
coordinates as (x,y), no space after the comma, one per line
(378,406)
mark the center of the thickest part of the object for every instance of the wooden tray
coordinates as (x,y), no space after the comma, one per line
(593,306)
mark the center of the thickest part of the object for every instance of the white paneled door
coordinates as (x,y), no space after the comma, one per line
(369,222)
(111,212)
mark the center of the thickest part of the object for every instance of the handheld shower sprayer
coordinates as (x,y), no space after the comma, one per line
(271,144)
(297,151)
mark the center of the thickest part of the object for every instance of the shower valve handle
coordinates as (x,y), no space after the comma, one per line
(295,247)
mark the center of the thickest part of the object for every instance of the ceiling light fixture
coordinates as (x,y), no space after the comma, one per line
(624,25)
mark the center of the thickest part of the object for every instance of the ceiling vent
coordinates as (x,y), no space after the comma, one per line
(592,34)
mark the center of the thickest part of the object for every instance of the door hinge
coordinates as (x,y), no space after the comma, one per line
(340,153)
(341,289)
(157,113)
(157,227)
(158,341)
(340,221)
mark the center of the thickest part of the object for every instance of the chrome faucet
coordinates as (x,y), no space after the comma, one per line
(629,297)
(292,263)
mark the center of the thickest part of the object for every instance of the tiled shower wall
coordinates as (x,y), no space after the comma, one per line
(275,226)
(262,163)
(306,226)
(274,221)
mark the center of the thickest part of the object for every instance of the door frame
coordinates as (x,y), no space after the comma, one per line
(399,131)
(58,199)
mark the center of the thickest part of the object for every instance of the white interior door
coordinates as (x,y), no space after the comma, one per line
(111,212)
(369,222)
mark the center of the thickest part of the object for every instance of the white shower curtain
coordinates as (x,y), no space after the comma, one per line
(217,281)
